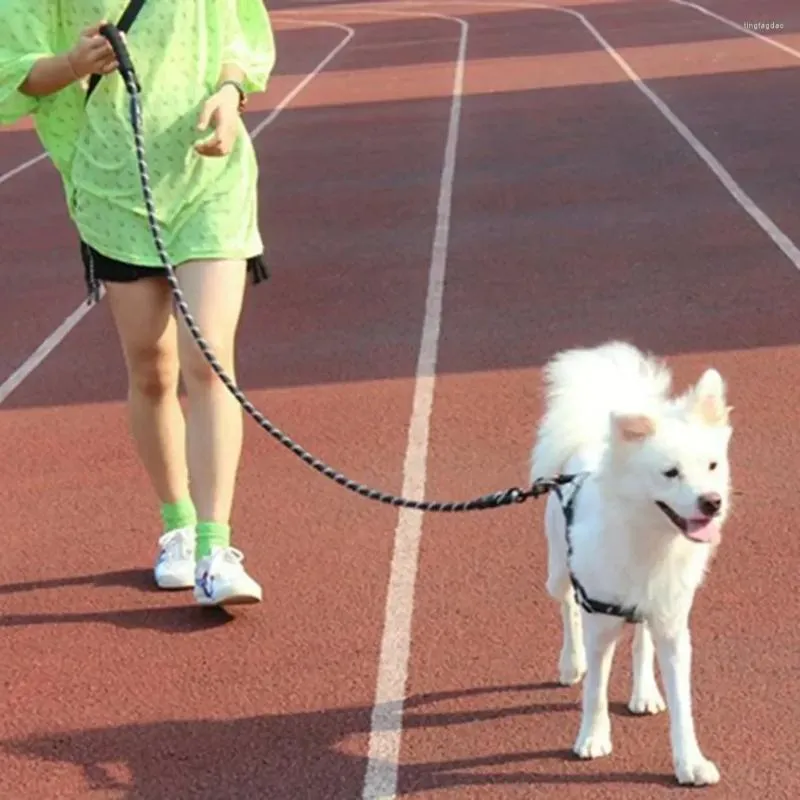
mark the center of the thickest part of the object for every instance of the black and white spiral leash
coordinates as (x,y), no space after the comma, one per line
(494,500)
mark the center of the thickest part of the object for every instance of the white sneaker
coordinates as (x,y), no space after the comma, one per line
(175,562)
(220,579)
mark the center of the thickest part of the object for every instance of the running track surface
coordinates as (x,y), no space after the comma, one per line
(576,212)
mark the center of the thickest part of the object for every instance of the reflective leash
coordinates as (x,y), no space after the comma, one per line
(497,499)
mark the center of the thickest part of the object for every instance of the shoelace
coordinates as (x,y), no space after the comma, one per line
(228,555)
(175,544)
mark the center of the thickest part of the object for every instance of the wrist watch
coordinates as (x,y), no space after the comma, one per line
(238,86)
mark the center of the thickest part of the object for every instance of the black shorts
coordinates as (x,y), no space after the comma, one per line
(103,269)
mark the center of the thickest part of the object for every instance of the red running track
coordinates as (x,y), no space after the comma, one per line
(577,213)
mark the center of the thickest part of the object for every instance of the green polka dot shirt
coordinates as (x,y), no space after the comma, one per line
(207,207)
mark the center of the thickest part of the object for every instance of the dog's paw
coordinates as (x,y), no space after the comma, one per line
(698,771)
(647,702)
(594,744)
(571,669)
(569,675)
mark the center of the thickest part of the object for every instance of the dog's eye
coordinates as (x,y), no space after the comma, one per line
(672,473)
(712,466)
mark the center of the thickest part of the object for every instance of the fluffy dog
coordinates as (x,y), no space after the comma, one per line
(635,532)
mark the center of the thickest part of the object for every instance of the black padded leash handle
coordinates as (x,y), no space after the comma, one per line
(114,37)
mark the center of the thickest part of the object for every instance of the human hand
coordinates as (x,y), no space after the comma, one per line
(92,54)
(221,111)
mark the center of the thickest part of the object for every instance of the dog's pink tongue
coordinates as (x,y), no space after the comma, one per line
(704,530)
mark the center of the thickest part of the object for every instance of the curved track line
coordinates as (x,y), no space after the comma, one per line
(60,333)
(349,34)
(736,26)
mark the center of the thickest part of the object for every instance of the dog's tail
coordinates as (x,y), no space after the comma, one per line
(583,388)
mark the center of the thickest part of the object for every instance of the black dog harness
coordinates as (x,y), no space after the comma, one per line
(629,614)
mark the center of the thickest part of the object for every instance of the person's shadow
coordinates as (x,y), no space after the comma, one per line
(300,756)
(178,619)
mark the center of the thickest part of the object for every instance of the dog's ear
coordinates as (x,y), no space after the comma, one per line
(708,399)
(632,427)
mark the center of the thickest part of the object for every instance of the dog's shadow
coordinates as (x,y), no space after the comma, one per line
(284,755)
(303,755)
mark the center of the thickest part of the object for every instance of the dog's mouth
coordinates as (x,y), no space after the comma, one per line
(701,530)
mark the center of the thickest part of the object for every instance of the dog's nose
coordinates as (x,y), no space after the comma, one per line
(709,503)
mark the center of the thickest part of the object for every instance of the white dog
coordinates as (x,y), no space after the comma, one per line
(646,512)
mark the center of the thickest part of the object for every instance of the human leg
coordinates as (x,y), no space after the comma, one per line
(142,314)
(214,291)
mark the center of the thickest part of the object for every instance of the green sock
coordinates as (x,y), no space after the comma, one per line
(211,534)
(178,515)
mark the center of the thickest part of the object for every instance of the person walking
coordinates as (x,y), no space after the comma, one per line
(196,61)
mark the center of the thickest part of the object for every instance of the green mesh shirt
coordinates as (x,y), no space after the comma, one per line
(207,207)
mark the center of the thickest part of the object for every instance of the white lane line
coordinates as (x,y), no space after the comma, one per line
(42,351)
(765,222)
(779,238)
(7,176)
(386,725)
(60,333)
(736,26)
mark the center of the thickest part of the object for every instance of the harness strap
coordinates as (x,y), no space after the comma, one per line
(629,613)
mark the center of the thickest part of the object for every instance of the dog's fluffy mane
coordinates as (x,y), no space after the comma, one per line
(580,399)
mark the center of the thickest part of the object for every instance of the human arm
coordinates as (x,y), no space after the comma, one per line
(249,44)
(48,75)
(26,35)
(92,53)
(33,64)
(222,111)
(247,59)
(231,82)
